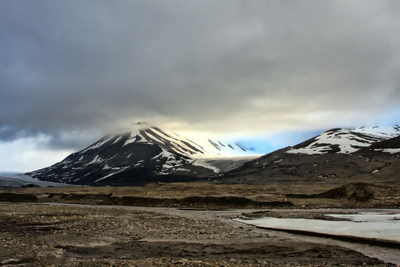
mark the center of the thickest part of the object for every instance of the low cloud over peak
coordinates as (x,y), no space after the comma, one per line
(226,66)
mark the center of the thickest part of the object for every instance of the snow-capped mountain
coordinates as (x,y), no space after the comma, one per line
(150,154)
(341,141)
(337,155)
(184,146)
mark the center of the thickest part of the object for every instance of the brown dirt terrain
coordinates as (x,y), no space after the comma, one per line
(280,167)
(36,234)
(217,196)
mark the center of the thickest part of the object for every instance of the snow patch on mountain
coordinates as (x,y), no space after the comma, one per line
(97,144)
(130,140)
(389,150)
(200,149)
(203,163)
(342,141)
(95,160)
(111,174)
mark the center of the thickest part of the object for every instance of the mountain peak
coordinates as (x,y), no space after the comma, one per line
(142,125)
(339,140)
(138,157)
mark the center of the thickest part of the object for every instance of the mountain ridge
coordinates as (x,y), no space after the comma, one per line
(154,155)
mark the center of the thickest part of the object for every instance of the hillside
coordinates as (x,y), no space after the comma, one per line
(337,156)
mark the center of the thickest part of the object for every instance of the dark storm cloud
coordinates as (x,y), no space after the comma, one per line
(73,66)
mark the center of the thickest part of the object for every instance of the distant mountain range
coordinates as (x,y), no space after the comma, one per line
(154,155)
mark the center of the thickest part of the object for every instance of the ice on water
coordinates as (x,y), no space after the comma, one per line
(377,225)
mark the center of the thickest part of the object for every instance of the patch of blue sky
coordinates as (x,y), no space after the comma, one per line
(391,118)
(264,144)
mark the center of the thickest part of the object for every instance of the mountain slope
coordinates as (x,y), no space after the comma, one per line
(336,156)
(139,158)
(339,141)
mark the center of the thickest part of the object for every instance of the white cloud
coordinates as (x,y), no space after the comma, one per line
(23,155)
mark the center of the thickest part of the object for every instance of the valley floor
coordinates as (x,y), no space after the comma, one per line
(191,226)
(62,235)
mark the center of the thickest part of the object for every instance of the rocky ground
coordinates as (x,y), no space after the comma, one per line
(48,235)
(197,232)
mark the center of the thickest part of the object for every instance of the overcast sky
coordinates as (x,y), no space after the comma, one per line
(72,71)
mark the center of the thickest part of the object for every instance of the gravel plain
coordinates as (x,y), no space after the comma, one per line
(35,234)
(180,224)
